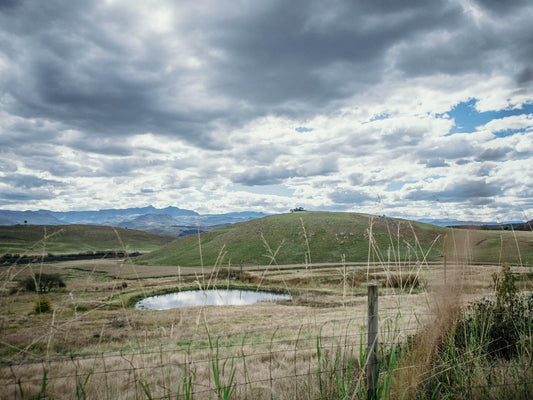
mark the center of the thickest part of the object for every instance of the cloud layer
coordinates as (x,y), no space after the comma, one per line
(413,108)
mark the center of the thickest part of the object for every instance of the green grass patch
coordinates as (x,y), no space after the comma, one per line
(69,239)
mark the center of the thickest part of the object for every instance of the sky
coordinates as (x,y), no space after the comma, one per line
(412,109)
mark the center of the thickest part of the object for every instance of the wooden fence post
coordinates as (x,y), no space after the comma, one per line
(445,256)
(373,348)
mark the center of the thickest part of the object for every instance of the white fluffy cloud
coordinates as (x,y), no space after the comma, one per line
(217,106)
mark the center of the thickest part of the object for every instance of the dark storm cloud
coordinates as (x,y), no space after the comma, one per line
(467,190)
(316,52)
(475,46)
(87,65)
(64,66)
(22,181)
(525,76)
(16,188)
(6,4)
(23,132)
(502,7)
(16,195)
(13,198)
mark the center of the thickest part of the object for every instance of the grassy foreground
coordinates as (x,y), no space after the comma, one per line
(90,342)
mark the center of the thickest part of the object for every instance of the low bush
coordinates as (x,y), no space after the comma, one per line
(42,305)
(500,322)
(487,352)
(410,281)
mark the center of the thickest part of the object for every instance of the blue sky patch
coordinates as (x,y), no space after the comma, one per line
(303,129)
(393,186)
(379,117)
(467,118)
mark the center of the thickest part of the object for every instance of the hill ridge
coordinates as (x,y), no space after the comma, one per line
(283,239)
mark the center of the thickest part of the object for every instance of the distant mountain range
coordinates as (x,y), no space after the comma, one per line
(486,226)
(172,221)
(456,223)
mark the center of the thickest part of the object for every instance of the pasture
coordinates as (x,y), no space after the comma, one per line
(95,344)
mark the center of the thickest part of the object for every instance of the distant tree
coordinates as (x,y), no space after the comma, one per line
(42,283)
(297,209)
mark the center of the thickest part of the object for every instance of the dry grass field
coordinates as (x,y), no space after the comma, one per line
(94,315)
(93,342)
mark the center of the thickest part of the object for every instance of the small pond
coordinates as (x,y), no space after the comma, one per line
(207,298)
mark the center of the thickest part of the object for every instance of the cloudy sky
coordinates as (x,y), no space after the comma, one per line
(406,108)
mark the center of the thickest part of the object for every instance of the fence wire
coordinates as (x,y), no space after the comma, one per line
(283,358)
(307,361)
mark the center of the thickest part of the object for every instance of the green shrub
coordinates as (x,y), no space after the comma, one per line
(42,305)
(487,352)
(497,323)
(42,283)
(505,288)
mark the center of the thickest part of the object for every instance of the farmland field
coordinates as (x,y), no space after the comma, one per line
(93,330)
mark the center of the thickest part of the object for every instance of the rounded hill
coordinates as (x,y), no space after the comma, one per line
(300,237)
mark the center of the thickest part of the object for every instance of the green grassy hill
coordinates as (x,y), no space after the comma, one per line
(490,246)
(330,236)
(68,239)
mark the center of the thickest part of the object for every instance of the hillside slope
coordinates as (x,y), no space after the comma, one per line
(329,235)
(67,239)
(491,246)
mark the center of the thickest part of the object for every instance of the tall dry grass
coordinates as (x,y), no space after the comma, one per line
(310,348)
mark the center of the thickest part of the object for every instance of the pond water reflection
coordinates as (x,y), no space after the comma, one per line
(207,298)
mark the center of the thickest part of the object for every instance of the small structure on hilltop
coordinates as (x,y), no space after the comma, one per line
(297,209)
